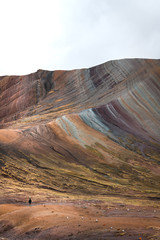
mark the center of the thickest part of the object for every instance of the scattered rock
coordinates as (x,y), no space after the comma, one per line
(37,229)
(120,232)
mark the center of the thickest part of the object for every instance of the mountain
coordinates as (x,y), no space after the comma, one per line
(87,132)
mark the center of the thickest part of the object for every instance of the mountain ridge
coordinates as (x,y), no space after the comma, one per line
(88,131)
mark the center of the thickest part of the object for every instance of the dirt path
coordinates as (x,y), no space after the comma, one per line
(79,221)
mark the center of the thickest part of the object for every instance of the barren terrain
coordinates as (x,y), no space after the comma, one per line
(79,219)
(85,146)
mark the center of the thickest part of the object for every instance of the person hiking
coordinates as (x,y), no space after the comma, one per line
(30,201)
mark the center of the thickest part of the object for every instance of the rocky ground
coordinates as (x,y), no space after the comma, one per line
(80,219)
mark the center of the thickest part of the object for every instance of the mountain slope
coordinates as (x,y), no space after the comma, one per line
(89,131)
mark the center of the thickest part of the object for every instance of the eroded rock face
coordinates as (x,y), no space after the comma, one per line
(62,129)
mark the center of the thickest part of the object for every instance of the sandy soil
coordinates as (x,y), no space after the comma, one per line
(79,220)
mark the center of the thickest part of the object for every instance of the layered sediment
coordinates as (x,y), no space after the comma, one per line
(88,131)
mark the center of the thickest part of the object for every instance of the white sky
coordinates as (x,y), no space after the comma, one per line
(69,34)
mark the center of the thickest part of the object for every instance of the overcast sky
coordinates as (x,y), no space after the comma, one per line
(69,34)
